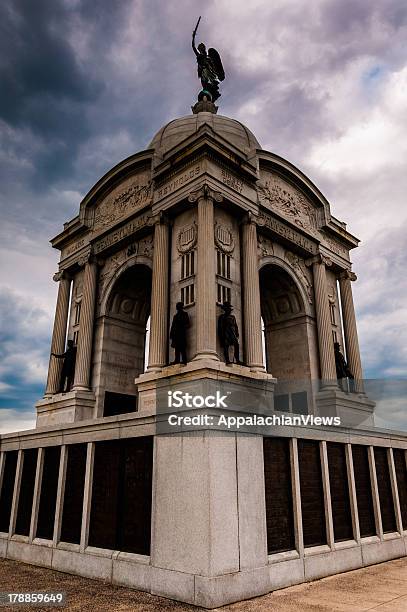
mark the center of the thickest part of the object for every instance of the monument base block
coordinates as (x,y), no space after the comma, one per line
(354,409)
(67,407)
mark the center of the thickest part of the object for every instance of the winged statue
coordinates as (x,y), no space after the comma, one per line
(210,69)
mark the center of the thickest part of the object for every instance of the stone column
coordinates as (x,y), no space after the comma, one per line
(325,339)
(251,297)
(206,287)
(159,297)
(349,328)
(59,333)
(86,325)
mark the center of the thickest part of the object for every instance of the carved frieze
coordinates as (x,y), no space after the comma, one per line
(278,195)
(224,239)
(142,247)
(123,201)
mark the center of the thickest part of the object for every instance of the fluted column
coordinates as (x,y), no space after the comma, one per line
(86,327)
(159,297)
(206,287)
(251,297)
(350,329)
(59,333)
(325,339)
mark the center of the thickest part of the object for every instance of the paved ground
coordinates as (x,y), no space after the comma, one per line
(379,587)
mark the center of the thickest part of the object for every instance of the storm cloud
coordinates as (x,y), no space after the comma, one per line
(85,84)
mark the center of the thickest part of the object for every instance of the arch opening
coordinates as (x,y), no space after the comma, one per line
(124,340)
(287,336)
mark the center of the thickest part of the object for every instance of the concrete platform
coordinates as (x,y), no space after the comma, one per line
(378,587)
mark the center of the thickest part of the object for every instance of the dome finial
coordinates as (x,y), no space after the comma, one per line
(204,104)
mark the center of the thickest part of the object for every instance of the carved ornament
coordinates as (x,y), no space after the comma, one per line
(114,208)
(205,192)
(224,238)
(264,246)
(289,202)
(348,275)
(187,238)
(298,265)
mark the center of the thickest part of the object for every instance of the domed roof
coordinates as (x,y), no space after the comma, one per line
(178,130)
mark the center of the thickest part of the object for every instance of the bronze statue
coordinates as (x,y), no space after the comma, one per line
(68,367)
(210,69)
(228,332)
(178,334)
(342,368)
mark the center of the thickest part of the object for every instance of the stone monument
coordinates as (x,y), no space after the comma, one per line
(204,217)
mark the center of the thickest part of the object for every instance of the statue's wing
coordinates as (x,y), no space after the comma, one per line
(217,63)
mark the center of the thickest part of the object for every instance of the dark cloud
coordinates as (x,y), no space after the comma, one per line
(24,351)
(41,66)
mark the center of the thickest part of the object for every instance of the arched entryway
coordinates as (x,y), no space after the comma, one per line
(288,337)
(123,335)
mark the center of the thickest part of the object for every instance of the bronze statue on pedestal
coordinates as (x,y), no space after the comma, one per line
(68,367)
(228,332)
(178,334)
(210,69)
(342,369)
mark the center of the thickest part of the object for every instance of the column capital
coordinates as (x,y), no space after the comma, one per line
(160,219)
(248,219)
(58,276)
(205,192)
(320,259)
(86,257)
(347,275)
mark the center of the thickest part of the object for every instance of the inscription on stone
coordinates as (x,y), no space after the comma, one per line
(335,247)
(287,232)
(74,247)
(167,188)
(232,181)
(121,233)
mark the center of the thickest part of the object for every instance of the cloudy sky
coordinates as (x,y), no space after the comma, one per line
(85,84)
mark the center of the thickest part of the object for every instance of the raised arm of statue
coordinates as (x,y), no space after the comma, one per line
(193,38)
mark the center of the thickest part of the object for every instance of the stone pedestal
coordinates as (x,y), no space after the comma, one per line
(66,408)
(240,380)
(355,410)
(216,527)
